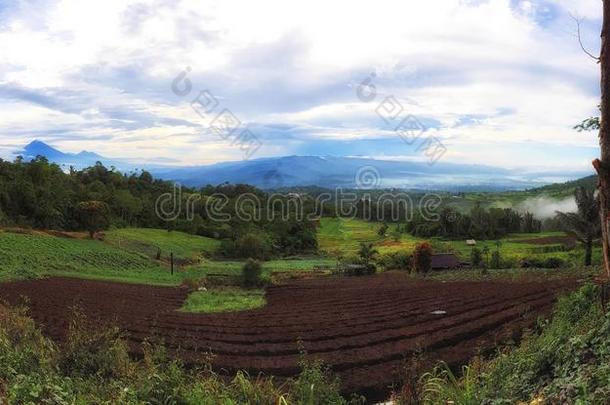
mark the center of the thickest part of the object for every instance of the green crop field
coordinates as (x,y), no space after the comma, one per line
(32,255)
(389,244)
(148,241)
(224,300)
(345,235)
(233,267)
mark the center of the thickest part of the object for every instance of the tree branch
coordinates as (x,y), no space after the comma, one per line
(577,20)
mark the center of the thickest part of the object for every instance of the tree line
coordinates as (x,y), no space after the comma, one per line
(39,194)
(478,223)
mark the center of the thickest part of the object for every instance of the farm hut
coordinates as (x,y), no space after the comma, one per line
(445,261)
(471,242)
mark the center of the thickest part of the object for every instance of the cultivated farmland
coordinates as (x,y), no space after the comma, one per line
(364,328)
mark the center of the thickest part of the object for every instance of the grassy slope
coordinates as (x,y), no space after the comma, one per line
(147,241)
(30,255)
(26,255)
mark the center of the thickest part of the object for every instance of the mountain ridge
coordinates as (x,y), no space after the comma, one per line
(320,171)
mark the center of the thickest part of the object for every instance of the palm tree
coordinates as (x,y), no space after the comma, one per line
(367,252)
(585,223)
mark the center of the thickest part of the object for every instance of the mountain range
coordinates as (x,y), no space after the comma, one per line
(77,160)
(321,171)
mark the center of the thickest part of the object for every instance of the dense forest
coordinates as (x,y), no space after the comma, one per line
(480,223)
(40,194)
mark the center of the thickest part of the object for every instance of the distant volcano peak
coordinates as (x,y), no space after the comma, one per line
(40,148)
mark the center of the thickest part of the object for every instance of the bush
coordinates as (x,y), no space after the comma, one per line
(476,257)
(422,258)
(247,246)
(383,229)
(251,273)
(496,260)
(93,351)
(553,263)
(396,261)
(547,263)
(315,385)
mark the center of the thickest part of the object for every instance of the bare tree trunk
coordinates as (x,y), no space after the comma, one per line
(603,166)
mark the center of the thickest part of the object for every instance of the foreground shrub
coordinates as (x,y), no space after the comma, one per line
(251,272)
(93,351)
(23,349)
(315,385)
(93,368)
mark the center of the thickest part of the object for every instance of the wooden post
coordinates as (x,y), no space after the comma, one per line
(171,260)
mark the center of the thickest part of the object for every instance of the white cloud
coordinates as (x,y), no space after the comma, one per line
(512,68)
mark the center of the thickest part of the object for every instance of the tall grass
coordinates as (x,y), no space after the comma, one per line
(93,367)
(566,361)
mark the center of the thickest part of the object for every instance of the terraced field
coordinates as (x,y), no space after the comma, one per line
(364,328)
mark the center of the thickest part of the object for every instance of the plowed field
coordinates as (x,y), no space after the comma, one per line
(364,328)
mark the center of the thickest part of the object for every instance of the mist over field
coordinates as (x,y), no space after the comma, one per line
(546,207)
(542,207)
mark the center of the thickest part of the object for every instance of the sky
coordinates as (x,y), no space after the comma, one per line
(497,82)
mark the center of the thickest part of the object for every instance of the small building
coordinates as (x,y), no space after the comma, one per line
(471,242)
(445,261)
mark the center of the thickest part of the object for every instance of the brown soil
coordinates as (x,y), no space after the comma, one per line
(365,328)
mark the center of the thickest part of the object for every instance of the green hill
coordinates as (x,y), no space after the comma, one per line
(28,255)
(567,188)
